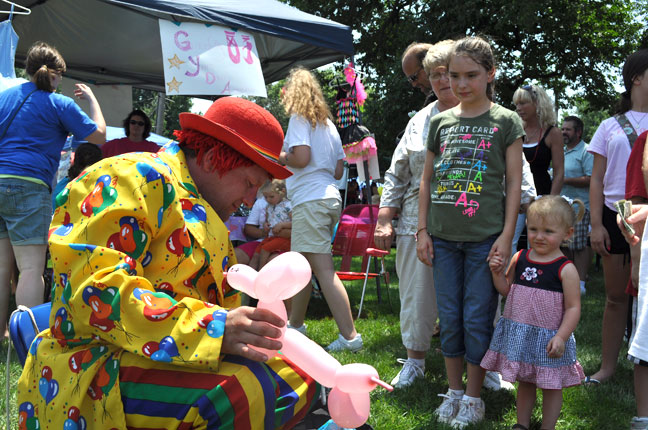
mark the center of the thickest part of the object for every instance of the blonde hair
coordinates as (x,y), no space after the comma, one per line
(480,51)
(303,96)
(543,103)
(275,186)
(438,55)
(556,208)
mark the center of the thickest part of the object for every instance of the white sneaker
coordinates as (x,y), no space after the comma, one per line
(470,411)
(448,409)
(583,290)
(639,423)
(494,381)
(407,374)
(301,328)
(341,344)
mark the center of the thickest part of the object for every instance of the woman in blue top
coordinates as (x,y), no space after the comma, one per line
(34,123)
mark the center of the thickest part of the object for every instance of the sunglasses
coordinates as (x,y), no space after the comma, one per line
(413,78)
(140,123)
(436,76)
(530,89)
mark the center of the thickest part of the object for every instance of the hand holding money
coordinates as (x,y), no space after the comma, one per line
(624,208)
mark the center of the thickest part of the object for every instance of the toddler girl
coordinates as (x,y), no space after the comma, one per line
(278,223)
(533,341)
(474,157)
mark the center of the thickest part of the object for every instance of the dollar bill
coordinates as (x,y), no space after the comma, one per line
(624,207)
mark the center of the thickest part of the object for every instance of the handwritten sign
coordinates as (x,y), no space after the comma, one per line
(209,59)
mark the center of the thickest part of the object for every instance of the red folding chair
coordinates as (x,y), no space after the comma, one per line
(354,238)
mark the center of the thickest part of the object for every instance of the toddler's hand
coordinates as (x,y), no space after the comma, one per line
(496,263)
(556,347)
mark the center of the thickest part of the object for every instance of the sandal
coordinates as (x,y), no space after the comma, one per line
(589,381)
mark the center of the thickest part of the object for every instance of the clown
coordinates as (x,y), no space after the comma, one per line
(171,346)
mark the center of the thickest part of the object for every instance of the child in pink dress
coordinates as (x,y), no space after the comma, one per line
(533,342)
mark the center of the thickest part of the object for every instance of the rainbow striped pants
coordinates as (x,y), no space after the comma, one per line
(244,395)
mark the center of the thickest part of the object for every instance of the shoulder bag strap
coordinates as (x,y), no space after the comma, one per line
(627,128)
(16,113)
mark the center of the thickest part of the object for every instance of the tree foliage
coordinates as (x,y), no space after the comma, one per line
(146,100)
(558,44)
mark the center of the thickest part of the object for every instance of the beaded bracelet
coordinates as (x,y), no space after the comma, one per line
(417,232)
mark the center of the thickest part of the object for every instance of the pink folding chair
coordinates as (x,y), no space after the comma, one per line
(354,238)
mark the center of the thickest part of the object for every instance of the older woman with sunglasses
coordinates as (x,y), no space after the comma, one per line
(137,127)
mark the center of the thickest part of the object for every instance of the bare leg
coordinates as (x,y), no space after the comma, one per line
(31,262)
(641,389)
(551,405)
(616,276)
(454,369)
(263,258)
(299,306)
(419,355)
(526,398)
(241,256)
(475,379)
(254,261)
(582,259)
(6,269)
(334,292)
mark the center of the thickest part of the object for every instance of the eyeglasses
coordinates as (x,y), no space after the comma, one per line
(140,123)
(437,76)
(413,78)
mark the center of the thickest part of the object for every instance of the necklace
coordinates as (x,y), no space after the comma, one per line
(638,127)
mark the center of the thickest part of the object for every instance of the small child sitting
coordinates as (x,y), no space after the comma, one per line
(278,223)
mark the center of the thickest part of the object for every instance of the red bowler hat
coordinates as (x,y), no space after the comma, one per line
(246,127)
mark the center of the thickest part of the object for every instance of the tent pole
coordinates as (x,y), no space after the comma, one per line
(159,117)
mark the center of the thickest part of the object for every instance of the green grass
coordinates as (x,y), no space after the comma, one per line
(609,406)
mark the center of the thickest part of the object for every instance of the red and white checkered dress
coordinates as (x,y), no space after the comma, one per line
(532,315)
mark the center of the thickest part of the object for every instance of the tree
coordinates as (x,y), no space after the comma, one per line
(146,100)
(558,44)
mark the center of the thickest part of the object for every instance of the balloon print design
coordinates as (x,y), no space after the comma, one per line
(214,323)
(87,251)
(64,229)
(180,243)
(48,387)
(193,213)
(166,288)
(164,350)
(62,329)
(158,306)
(103,195)
(82,360)
(26,418)
(103,382)
(130,239)
(74,420)
(280,279)
(104,304)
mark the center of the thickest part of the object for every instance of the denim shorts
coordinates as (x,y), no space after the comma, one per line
(466,297)
(25,211)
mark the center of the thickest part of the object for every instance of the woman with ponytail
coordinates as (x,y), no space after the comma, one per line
(611,146)
(34,124)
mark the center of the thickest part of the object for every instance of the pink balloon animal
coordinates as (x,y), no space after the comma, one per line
(280,279)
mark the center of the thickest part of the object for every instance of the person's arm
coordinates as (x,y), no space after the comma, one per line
(578,181)
(424,245)
(513,177)
(502,280)
(339,169)
(571,294)
(599,236)
(555,143)
(384,232)
(98,137)
(298,157)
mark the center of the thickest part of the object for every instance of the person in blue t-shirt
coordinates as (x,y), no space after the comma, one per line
(34,123)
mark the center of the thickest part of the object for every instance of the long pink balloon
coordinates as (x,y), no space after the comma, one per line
(310,357)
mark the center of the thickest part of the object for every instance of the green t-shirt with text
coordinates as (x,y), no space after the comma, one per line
(467,187)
